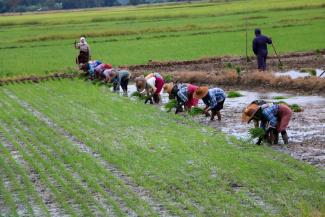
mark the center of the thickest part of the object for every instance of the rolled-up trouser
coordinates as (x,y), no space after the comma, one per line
(284,115)
(261,61)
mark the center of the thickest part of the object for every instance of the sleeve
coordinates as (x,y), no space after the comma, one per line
(182,94)
(213,100)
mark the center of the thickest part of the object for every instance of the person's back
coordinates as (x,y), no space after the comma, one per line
(260,44)
(260,48)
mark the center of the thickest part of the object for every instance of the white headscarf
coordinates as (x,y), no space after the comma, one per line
(83,40)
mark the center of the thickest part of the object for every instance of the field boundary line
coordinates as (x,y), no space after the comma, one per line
(138,190)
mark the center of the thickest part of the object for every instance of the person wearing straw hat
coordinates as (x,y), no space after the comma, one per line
(183,94)
(213,99)
(277,117)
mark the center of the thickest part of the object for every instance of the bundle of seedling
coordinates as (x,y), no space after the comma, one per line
(195,111)
(138,95)
(294,107)
(170,105)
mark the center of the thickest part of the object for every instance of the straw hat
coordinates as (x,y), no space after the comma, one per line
(168,87)
(201,92)
(249,112)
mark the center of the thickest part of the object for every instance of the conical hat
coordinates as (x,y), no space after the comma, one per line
(201,92)
(168,87)
(249,112)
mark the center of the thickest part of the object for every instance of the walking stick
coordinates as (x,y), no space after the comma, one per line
(276,54)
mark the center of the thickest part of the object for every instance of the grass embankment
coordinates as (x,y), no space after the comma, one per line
(42,43)
(187,167)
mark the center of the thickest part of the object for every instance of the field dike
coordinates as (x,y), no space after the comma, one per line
(136,189)
(227,71)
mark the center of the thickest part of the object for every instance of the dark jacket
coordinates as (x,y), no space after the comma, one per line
(260,44)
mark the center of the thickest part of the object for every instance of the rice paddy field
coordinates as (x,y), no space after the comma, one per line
(64,152)
(72,148)
(44,42)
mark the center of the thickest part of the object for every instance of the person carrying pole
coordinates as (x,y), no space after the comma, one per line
(260,43)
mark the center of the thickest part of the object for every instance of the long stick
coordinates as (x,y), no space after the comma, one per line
(246,38)
(276,54)
(321,74)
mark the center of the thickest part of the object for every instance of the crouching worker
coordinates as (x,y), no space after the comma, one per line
(98,71)
(213,99)
(276,117)
(151,86)
(183,94)
(118,78)
(89,68)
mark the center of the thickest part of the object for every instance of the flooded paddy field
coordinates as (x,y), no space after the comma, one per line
(306,130)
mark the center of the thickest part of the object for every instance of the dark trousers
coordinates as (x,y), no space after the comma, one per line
(261,61)
(124,84)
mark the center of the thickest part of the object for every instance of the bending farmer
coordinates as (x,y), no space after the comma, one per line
(213,99)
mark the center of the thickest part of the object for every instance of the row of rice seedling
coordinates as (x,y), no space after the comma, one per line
(174,165)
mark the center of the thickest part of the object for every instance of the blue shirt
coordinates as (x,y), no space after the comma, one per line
(270,113)
(120,74)
(183,93)
(214,96)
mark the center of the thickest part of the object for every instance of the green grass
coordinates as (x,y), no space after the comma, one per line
(42,43)
(188,170)
(279,97)
(234,94)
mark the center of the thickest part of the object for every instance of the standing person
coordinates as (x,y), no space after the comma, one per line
(213,99)
(260,48)
(183,94)
(277,117)
(84,51)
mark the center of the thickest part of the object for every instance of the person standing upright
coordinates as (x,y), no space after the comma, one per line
(84,51)
(260,43)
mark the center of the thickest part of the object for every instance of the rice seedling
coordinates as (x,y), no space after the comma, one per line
(256,133)
(138,95)
(234,94)
(195,111)
(279,97)
(170,105)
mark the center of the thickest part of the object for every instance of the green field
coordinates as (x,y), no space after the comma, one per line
(92,151)
(43,43)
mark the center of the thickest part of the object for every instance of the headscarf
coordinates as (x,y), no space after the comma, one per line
(83,40)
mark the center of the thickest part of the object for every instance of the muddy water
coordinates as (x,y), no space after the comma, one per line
(298,74)
(306,129)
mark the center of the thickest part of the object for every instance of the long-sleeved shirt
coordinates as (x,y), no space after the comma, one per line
(182,93)
(260,44)
(214,96)
(270,114)
(121,74)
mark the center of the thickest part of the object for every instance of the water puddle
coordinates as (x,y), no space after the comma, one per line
(299,74)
